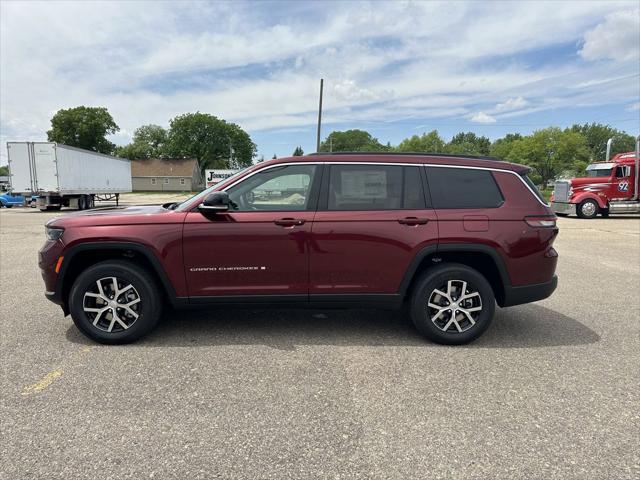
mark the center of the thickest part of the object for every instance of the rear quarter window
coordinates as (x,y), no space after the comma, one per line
(463,188)
(533,187)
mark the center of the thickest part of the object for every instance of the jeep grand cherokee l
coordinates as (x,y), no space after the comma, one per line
(447,236)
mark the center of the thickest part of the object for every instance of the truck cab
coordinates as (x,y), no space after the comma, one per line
(9,199)
(610,187)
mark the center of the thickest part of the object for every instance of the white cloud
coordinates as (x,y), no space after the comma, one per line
(482,117)
(633,107)
(512,104)
(617,38)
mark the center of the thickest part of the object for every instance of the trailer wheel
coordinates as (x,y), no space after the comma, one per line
(588,209)
(82,202)
(91,201)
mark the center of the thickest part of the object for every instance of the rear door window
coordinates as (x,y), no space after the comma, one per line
(375,187)
(463,188)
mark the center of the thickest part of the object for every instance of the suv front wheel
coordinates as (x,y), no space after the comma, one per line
(115,302)
(452,304)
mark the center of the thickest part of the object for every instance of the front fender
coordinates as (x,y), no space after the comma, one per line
(580,197)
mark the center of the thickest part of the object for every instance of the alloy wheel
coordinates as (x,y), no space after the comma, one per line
(112,305)
(454,307)
(588,208)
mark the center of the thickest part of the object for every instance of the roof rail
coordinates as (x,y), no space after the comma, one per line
(411,154)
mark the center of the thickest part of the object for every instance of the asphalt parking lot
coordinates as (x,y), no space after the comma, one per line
(550,391)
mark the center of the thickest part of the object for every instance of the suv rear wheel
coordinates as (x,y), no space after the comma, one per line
(452,304)
(115,302)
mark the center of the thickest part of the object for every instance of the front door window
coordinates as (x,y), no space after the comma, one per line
(285,188)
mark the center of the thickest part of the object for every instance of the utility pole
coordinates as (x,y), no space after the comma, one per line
(319,116)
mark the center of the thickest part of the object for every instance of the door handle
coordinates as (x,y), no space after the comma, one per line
(413,221)
(289,222)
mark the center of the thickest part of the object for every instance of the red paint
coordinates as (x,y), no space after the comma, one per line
(366,252)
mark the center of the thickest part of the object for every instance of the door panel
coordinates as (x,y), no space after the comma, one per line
(622,183)
(246,253)
(373,220)
(366,252)
(44,160)
(259,247)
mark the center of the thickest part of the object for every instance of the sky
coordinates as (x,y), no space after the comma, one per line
(395,69)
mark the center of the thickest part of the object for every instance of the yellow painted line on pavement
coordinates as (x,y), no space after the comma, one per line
(47,380)
(50,377)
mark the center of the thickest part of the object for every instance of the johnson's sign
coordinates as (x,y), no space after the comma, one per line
(216,176)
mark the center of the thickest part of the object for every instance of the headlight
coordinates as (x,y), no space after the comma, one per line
(53,234)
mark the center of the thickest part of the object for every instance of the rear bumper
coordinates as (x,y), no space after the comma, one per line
(563,208)
(529,293)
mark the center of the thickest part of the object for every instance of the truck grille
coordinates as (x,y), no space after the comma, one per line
(561,192)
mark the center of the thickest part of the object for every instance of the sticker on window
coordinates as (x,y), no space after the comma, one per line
(363,184)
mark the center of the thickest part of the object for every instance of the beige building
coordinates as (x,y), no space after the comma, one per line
(166,174)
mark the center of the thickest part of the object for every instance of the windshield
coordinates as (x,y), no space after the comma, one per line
(599,172)
(183,205)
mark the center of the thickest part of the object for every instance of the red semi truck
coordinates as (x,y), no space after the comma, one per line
(610,187)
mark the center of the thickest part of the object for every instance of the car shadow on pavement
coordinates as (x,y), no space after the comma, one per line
(525,326)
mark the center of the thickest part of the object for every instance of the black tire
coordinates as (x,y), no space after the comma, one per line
(148,311)
(82,202)
(588,208)
(438,277)
(8,205)
(91,202)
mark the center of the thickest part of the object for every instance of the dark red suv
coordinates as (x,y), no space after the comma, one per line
(447,236)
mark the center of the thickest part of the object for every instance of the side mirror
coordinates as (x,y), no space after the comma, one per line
(215,202)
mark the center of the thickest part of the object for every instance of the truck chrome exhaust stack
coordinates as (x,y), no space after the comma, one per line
(609,142)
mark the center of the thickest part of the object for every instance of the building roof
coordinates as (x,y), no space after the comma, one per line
(163,167)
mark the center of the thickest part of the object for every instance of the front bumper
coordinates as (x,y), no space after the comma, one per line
(563,208)
(529,293)
(48,256)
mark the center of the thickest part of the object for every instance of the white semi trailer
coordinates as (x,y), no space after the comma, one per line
(63,176)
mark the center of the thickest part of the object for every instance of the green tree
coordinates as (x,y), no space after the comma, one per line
(502,146)
(149,141)
(427,142)
(84,127)
(469,143)
(352,141)
(596,136)
(4,170)
(549,152)
(298,152)
(212,141)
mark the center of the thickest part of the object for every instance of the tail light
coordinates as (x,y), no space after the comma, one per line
(541,221)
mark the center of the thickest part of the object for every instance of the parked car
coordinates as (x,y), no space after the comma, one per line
(8,200)
(447,236)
